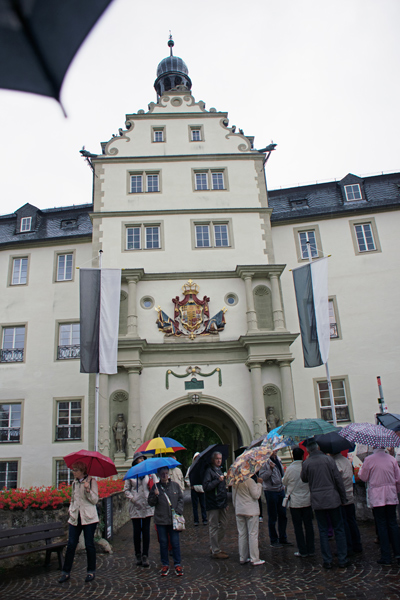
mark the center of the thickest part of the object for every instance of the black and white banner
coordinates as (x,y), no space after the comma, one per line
(311,289)
(100,291)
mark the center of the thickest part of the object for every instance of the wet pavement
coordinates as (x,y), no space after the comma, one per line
(282,576)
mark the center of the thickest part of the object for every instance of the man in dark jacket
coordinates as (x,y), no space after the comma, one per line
(216,504)
(327,495)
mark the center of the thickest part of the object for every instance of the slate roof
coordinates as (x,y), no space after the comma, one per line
(68,222)
(380,192)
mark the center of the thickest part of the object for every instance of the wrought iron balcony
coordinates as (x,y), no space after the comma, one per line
(333,330)
(10,434)
(11,355)
(68,432)
(68,352)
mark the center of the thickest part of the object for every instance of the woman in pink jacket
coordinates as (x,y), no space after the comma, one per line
(382,473)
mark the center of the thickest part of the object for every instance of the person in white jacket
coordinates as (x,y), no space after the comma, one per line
(245,497)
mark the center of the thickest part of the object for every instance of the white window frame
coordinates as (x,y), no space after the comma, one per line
(10,427)
(195,134)
(26,224)
(8,462)
(142,243)
(69,425)
(59,467)
(212,233)
(158,132)
(340,387)
(66,256)
(360,230)
(17,352)
(19,271)
(144,177)
(304,250)
(72,349)
(352,190)
(334,325)
(208,174)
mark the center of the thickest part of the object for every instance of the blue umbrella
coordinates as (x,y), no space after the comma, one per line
(151,465)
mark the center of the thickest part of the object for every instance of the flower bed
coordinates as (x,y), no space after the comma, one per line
(51,497)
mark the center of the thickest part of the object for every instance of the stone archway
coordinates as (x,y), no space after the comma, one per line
(217,415)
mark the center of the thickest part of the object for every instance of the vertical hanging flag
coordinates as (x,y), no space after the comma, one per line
(100,291)
(311,289)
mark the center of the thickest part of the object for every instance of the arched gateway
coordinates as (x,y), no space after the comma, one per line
(212,412)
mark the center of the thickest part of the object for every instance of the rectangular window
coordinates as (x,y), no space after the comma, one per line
(365,238)
(217,181)
(353,192)
(152,183)
(133,238)
(63,474)
(308,241)
(203,236)
(221,235)
(333,321)
(64,267)
(340,400)
(69,341)
(136,184)
(151,235)
(144,182)
(10,423)
(196,135)
(12,349)
(201,181)
(26,223)
(8,474)
(19,271)
(158,135)
(69,420)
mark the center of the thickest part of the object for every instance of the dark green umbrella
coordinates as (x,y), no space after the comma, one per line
(300,429)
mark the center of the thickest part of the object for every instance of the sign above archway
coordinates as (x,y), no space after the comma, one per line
(191,315)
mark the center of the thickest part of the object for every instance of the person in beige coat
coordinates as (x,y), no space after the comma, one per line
(348,509)
(82,517)
(245,497)
(137,491)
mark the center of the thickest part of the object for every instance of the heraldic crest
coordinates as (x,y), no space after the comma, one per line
(191,315)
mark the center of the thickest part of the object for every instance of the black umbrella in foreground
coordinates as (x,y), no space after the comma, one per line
(390,421)
(39,39)
(333,443)
(197,470)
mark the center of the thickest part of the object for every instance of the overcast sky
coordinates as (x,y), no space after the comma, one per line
(320,79)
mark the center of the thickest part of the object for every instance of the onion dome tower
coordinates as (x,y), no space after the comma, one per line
(171,72)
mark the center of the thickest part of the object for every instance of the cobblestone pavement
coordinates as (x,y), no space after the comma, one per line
(283,575)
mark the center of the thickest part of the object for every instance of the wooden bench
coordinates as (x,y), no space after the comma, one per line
(46,532)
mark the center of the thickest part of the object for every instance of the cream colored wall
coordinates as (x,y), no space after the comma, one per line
(367,288)
(41,378)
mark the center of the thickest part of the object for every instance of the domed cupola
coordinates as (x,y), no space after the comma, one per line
(171,73)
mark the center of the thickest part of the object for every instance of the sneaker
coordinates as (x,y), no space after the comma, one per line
(196,524)
(205,522)
(244,562)
(258,562)
(145,561)
(164,571)
(286,543)
(178,571)
(302,555)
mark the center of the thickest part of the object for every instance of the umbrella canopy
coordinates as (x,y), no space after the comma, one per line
(247,464)
(40,38)
(390,421)
(375,436)
(151,465)
(300,429)
(98,465)
(202,461)
(333,443)
(160,445)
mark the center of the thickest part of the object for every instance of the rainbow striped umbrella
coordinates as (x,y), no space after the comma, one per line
(160,445)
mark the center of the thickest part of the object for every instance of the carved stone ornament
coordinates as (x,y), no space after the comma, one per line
(191,315)
(270,391)
(119,429)
(119,396)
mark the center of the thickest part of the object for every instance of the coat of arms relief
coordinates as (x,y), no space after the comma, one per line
(191,315)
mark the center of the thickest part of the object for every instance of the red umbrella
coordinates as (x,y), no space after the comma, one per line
(98,465)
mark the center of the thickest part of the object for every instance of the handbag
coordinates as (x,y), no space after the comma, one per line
(178,521)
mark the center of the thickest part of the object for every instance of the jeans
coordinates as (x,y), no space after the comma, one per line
(73,539)
(335,515)
(276,512)
(388,531)
(196,498)
(141,535)
(165,531)
(303,516)
(353,537)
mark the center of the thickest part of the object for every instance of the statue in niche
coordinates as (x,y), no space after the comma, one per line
(119,429)
(273,420)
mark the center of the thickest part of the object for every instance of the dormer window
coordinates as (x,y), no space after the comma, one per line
(353,192)
(26,223)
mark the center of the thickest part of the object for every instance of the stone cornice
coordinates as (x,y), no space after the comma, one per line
(268,337)
(256,270)
(184,211)
(64,241)
(251,155)
(259,270)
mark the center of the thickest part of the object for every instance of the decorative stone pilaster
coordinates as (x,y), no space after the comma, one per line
(288,404)
(259,424)
(251,311)
(104,416)
(132,305)
(277,310)
(134,438)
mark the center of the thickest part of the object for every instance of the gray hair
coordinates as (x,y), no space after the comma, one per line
(312,446)
(214,455)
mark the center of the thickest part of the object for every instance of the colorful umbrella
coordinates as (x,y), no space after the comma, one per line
(375,436)
(300,429)
(151,465)
(98,465)
(247,464)
(333,443)
(390,421)
(160,445)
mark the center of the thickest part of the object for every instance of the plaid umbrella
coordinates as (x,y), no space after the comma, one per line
(247,464)
(390,421)
(375,436)
(300,429)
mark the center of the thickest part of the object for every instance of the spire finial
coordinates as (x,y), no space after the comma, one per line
(170,43)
